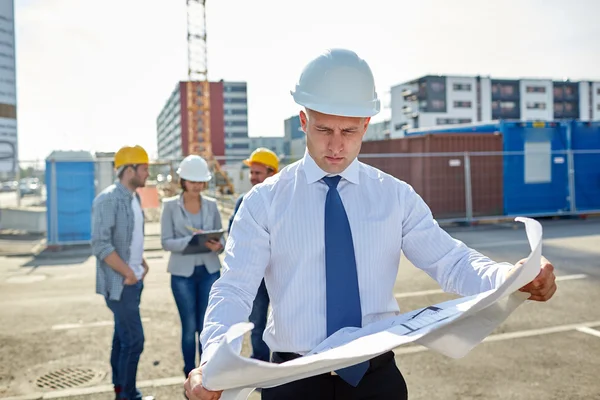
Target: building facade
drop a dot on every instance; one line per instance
(444, 100)
(9, 152)
(377, 131)
(294, 143)
(228, 121)
(274, 143)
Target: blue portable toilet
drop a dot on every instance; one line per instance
(70, 186)
(585, 142)
(535, 172)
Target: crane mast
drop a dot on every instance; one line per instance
(198, 93)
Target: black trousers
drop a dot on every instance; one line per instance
(382, 381)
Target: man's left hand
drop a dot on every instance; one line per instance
(543, 287)
(146, 269)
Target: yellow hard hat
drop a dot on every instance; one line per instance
(263, 156)
(129, 155)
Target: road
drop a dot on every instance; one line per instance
(51, 319)
(9, 199)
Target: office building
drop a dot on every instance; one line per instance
(294, 143)
(228, 122)
(9, 152)
(443, 100)
(377, 131)
(274, 143)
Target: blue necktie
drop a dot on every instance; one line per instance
(343, 298)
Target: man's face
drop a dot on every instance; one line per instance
(139, 176)
(333, 141)
(258, 173)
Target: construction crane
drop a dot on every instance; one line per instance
(198, 93)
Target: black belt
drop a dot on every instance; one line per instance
(374, 363)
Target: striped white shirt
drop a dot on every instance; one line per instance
(278, 233)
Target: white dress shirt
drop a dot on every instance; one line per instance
(137, 239)
(278, 233)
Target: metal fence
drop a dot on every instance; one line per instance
(458, 187)
(478, 186)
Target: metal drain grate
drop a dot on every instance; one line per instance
(67, 378)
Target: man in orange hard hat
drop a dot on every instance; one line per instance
(118, 244)
(263, 163)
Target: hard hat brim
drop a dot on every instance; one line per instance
(368, 109)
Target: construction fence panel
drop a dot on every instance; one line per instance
(463, 186)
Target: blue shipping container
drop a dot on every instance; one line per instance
(585, 142)
(535, 167)
(70, 180)
(485, 127)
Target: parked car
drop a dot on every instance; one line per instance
(30, 186)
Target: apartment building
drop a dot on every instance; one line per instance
(228, 121)
(443, 100)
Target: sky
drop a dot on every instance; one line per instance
(93, 75)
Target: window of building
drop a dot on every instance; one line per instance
(508, 105)
(450, 121)
(507, 90)
(559, 107)
(598, 106)
(438, 104)
(558, 92)
(569, 107)
(462, 87)
(535, 89)
(234, 100)
(569, 91)
(235, 88)
(462, 104)
(236, 123)
(598, 91)
(437, 86)
(536, 105)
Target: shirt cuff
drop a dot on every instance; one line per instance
(208, 353)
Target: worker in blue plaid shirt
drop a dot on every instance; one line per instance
(118, 244)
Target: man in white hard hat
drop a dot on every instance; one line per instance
(327, 233)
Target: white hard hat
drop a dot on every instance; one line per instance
(338, 82)
(195, 169)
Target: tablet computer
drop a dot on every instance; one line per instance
(197, 242)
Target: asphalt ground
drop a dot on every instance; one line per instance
(51, 320)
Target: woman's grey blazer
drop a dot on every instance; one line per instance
(175, 235)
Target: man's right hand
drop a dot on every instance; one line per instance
(130, 278)
(194, 389)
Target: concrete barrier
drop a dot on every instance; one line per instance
(30, 219)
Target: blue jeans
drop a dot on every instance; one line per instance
(128, 341)
(191, 297)
(258, 316)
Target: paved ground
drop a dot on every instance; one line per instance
(50, 319)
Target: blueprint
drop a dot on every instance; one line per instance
(451, 328)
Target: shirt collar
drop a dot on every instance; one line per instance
(123, 190)
(314, 173)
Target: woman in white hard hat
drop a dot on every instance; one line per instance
(192, 275)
